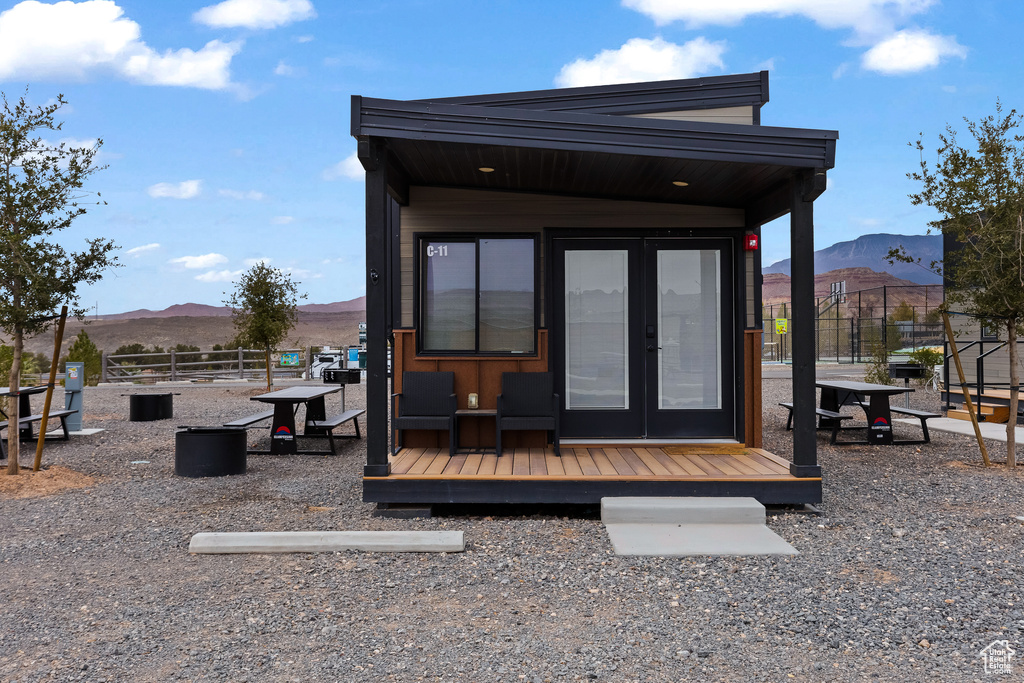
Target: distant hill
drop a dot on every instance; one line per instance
(868, 251)
(204, 311)
(775, 287)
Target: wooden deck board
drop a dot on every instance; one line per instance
(488, 465)
(504, 464)
(618, 460)
(405, 459)
(455, 464)
(665, 459)
(686, 462)
(538, 463)
(604, 465)
(423, 462)
(554, 464)
(635, 461)
(627, 463)
(586, 461)
(570, 465)
(521, 461)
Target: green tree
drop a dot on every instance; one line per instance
(83, 350)
(904, 312)
(979, 195)
(263, 310)
(41, 193)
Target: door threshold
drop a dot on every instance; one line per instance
(607, 441)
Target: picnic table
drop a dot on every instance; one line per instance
(874, 399)
(286, 404)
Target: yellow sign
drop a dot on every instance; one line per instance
(781, 326)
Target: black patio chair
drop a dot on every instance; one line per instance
(427, 401)
(528, 401)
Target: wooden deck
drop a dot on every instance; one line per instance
(585, 474)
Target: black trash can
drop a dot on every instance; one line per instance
(149, 407)
(209, 451)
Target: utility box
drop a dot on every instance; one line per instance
(74, 384)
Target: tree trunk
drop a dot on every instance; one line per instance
(1011, 424)
(270, 381)
(13, 432)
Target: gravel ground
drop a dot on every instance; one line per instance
(912, 568)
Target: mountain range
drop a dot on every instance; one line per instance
(205, 311)
(869, 251)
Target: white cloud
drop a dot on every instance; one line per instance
(186, 189)
(865, 17)
(219, 276)
(250, 262)
(349, 167)
(304, 39)
(644, 60)
(251, 195)
(282, 220)
(949, 89)
(138, 251)
(875, 23)
(910, 51)
(78, 41)
(283, 69)
(254, 14)
(204, 261)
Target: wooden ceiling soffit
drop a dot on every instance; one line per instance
(460, 124)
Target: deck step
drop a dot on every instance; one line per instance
(681, 511)
(987, 412)
(679, 527)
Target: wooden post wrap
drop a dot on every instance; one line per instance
(963, 388)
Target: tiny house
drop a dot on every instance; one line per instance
(608, 236)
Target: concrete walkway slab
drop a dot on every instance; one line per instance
(328, 541)
(989, 430)
(679, 527)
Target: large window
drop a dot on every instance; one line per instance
(478, 295)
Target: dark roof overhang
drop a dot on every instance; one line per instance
(594, 155)
(735, 90)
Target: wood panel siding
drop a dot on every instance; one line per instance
(449, 210)
(752, 419)
(743, 115)
(480, 375)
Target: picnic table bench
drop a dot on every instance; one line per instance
(29, 420)
(832, 415)
(332, 423)
(250, 420)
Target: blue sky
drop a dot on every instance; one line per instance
(226, 125)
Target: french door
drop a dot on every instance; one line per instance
(644, 337)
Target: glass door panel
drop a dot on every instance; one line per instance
(689, 328)
(596, 326)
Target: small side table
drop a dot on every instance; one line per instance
(479, 412)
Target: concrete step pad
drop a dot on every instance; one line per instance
(697, 510)
(679, 527)
(328, 541)
(684, 540)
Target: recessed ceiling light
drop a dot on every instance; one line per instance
(680, 183)
(485, 169)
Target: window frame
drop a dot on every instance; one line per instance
(419, 289)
